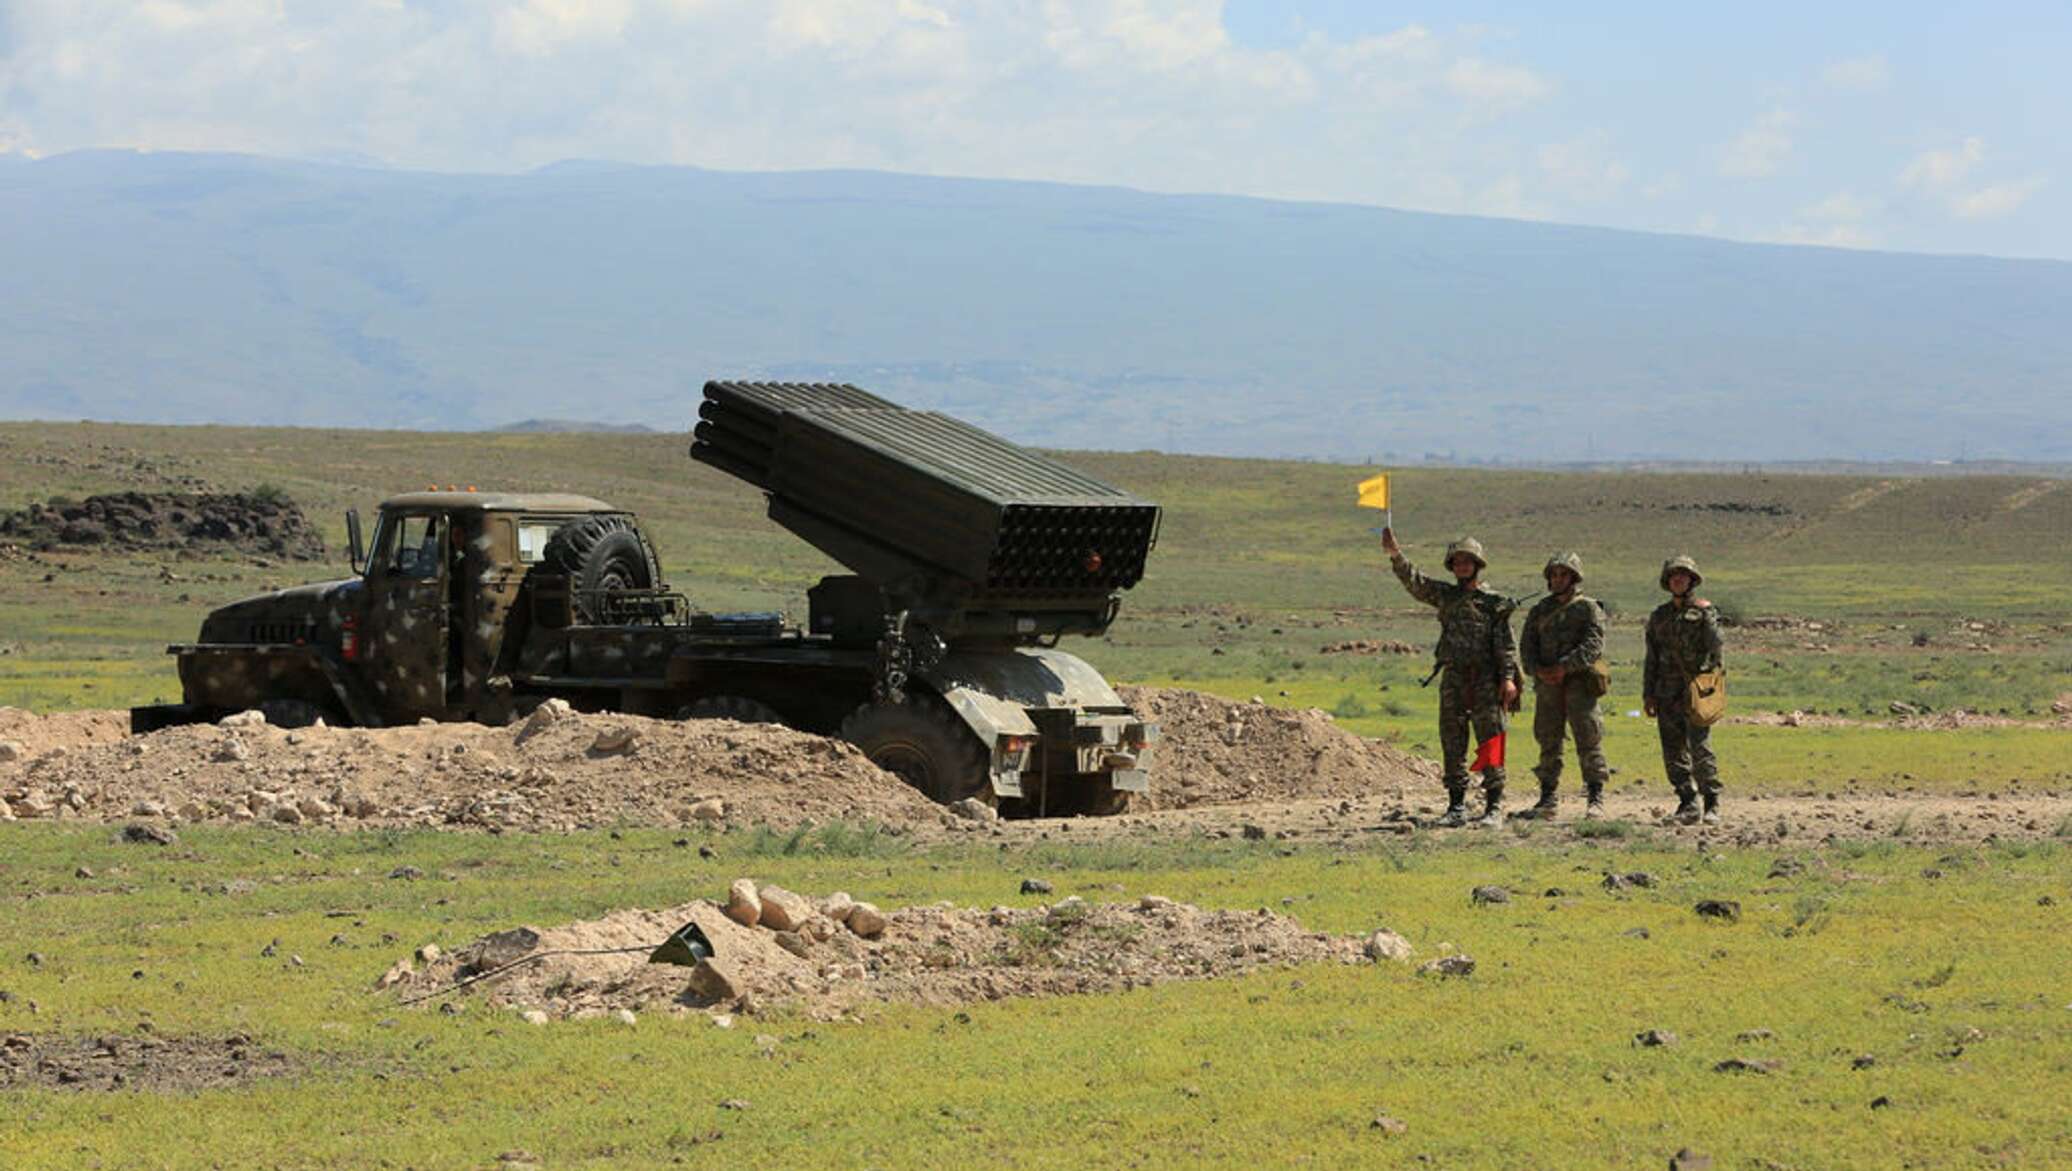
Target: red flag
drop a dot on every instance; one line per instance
(1490, 754)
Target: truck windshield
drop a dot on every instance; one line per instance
(410, 546)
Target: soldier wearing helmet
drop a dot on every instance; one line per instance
(1683, 641)
(1477, 668)
(1562, 647)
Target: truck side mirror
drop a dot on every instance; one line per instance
(354, 545)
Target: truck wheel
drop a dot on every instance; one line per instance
(601, 553)
(737, 708)
(924, 744)
(291, 713)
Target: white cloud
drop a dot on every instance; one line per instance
(1583, 168)
(1839, 221)
(1937, 169)
(1829, 236)
(1761, 149)
(1995, 201)
(1841, 207)
(1857, 74)
(1495, 84)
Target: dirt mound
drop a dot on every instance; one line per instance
(32, 735)
(1368, 646)
(1216, 752)
(929, 955)
(560, 770)
(260, 525)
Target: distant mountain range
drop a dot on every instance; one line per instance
(213, 288)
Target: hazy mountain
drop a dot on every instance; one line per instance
(207, 288)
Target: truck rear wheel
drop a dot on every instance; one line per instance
(599, 554)
(924, 744)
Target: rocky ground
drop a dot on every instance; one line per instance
(136, 1061)
(268, 525)
(828, 957)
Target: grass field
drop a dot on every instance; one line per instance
(1531, 1061)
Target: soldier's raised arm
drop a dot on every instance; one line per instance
(1423, 588)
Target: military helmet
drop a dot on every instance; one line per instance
(1472, 548)
(1682, 561)
(1566, 559)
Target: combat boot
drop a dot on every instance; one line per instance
(1593, 803)
(1456, 814)
(1686, 808)
(1492, 812)
(1711, 814)
(1548, 805)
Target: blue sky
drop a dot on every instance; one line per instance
(1894, 126)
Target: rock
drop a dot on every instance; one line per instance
(1748, 1065)
(867, 921)
(533, 1016)
(1154, 903)
(1035, 886)
(504, 947)
(1880, 1102)
(83, 872)
(625, 1017)
(837, 906)
(251, 718)
(1388, 1125)
(1387, 945)
(783, 910)
(1640, 878)
(710, 809)
(744, 905)
(149, 835)
(613, 741)
(1863, 1061)
(408, 873)
(1445, 966)
(429, 954)
(1254, 833)
(232, 750)
(545, 716)
(192, 811)
(1725, 910)
(1483, 896)
(820, 928)
(1690, 1160)
(1747, 1036)
(734, 1104)
(399, 972)
(791, 941)
(715, 979)
(1654, 1038)
(147, 809)
(287, 815)
(13, 750)
(973, 809)
(315, 809)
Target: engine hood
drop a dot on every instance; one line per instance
(309, 613)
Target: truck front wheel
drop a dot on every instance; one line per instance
(924, 744)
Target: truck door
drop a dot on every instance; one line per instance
(408, 615)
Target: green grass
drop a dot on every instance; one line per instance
(1854, 955)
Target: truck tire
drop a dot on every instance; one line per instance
(737, 708)
(601, 553)
(924, 744)
(293, 713)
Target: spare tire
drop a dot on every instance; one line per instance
(600, 554)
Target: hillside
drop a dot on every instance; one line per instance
(203, 288)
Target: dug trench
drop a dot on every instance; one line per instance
(1222, 769)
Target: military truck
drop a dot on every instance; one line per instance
(938, 656)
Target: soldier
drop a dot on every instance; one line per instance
(1560, 648)
(1477, 665)
(1683, 641)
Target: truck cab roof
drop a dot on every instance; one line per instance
(555, 502)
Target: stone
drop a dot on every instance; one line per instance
(251, 718)
(533, 1016)
(1035, 886)
(1388, 1125)
(232, 750)
(973, 809)
(734, 1104)
(13, 750)
(1725, 910)
(867, 921)
(791, 941)
(287, 815)
(314, 808)
(399, 972)
(625, 1017)
(837, 906)
(1448, 966)
(820, 928)
(1387, 945)
(408, 873)
(615, 741)
(1748, 1065)
(1484, 896)
(429, 954)
(147, 809)
(744, 905)
(141, 834)
(783, 910)
(710, 809)
(1747, 1036)
(1863, 1061)
(1654, 1038)
(715, 979)
(504, 947)
(545, 716)
(1154, 903)
(1690, 1160)
(1253, 833)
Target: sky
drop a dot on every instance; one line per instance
(1901, 126)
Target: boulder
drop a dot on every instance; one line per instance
(744, 905)
(614, 741)
(710, 809)
(12, 750)
(1387, 945)
(399, 972)
(714, 979)
(1448, 966)
(973, 809)
(837, 906)
(783, 910)
(252, 718)
(867, 921)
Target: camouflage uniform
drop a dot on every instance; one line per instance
(1568, 634)
(1683, 639)
(1475, 655)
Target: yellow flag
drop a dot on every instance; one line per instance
(1374, 493)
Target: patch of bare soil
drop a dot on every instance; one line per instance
(1911, 719)
(33, 735)
(559, 770)
(178, 521)
(940, 955)
(1213, 751)
(136, 1062)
